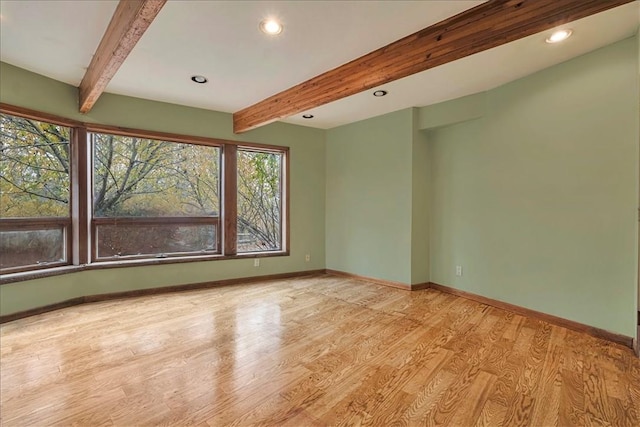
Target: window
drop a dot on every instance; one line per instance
(82, 194)
(259, 200)
(154, 198)
(35, 222)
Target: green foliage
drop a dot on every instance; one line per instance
(34, 168)
(137, 177)
(259, 200)
(143, 177)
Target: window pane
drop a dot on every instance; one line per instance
(259, 201)
(31, 247)
(155, 240)
(139, 177)
(34, 192)
(157, 183)
(34, 168)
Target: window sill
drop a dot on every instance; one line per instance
(57, 271)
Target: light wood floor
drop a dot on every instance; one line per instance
(312, 351)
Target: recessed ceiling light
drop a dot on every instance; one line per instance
(307, 116)
(199, 79)
(380, 93)
(271, 27)
(559, 36)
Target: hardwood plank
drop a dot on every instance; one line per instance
(483, 27)
(314, 351)
(596, 404)
(547, 410)
(427, 371)
(520, 410)
(523, 311)
(129, 22)
(624, 411)
(571, 399)
(427, 398)
(493, 414)
(477, 396)
(391, 396)
(443, 411)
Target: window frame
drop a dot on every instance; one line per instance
(144, 221)
(47, 223)
(284, 192)
(40, 224)
(80, 225)
(187, 220)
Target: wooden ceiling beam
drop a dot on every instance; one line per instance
(129, 22)
(483, 27)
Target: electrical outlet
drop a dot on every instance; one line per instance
(256, 262)
(307, 257)
(458, 270)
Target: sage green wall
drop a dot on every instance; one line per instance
(537, 197)
(377, 194)
(307, 152)
(454, 111)
(368, 218)
(420, 192)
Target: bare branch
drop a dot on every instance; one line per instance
(24, 190)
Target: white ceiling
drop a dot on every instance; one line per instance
(221, 40)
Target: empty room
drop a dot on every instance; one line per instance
(319, 213)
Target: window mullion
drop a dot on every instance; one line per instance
(79, 202)
(84, 177)
(230, 197)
